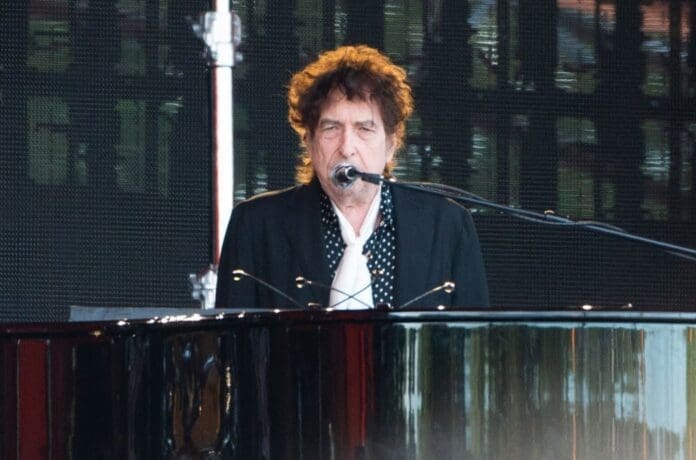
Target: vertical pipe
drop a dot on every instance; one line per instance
(223, 151)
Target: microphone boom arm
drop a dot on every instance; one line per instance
(548, 217)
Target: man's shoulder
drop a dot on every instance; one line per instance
(276, 200)
(431, 207)
(422, 200)
(269, 198)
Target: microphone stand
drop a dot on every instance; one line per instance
(547, 218)
(301, 282)
(447, 286)
(238, 274)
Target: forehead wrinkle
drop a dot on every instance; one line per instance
(333, 121)
(367, 123)
(336, 97)
(328, 121)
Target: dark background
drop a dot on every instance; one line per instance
(583, 107)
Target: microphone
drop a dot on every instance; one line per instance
(447, 286)
(238, 274)
(344, 175)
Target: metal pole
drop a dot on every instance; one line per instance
(220, 29)
(222, 127)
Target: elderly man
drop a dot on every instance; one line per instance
(354, 244)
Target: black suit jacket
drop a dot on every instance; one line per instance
(277, 236)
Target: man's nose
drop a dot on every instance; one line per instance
(348, 146)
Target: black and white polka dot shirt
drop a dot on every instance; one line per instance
(380, 248)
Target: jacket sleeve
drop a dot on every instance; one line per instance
(237, 253)
(469, 272)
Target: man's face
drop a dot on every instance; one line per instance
(349, 132)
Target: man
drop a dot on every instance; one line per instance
(355, 246)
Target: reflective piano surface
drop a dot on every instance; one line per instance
(376, 385)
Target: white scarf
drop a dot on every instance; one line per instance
(352, 280)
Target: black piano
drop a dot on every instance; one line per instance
(493, 384)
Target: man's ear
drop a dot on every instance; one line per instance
(308, 135)
(307, 141)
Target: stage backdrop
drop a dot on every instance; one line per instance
(584, 107)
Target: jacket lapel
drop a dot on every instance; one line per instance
(413, 243)
(303, 231)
